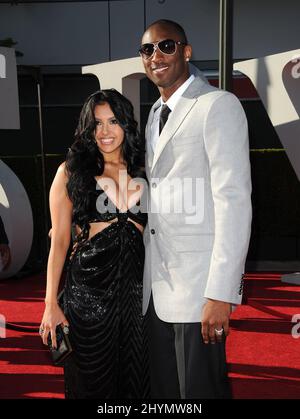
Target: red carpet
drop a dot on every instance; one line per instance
(263, 356)
(25, 365)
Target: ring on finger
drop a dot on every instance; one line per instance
(219, 332)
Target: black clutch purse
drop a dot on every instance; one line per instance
(64, 348)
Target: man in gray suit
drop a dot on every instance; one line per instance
(197, 163)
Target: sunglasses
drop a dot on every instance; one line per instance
(167, 46)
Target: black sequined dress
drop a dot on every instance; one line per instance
(103, 303)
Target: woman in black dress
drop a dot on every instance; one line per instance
(100, 189)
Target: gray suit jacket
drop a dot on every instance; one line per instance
(198, 231)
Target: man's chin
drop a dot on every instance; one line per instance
(159, 82)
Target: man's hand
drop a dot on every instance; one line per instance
(5, 255)
(215, 316)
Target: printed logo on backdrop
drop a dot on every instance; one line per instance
(9, 98)
(16, 215)
(277, 80)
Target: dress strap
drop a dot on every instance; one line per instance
(80, 239)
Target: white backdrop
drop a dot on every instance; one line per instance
(16, 213)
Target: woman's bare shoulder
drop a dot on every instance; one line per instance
(62, 171)
(61, 177)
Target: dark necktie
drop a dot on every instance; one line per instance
(164, 114)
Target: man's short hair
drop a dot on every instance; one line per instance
(174, 25)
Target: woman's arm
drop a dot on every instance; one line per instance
(61, 218)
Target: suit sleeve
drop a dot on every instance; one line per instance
(3, 235)
(227, 148)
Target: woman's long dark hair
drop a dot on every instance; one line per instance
(84, 160)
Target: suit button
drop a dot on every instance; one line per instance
(152, 231)
(154, 185)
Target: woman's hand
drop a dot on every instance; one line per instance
(53, 316)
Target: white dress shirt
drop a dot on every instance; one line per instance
(171, 102)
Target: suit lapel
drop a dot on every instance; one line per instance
(149, 150)
(176, 117)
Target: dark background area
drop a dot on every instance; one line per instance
(276, 189)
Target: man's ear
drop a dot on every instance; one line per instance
(188, 52)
